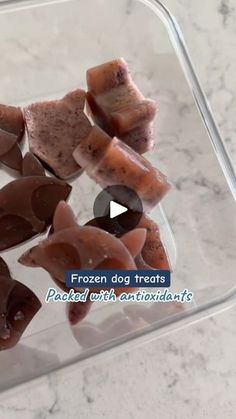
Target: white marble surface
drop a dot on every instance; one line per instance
(190, 373)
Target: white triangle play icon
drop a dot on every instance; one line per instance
(116, 209)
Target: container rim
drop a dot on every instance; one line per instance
(224, 159)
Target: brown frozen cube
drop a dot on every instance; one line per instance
(107, 76)
(55, 129)
(119, 107)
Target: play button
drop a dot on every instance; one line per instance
(117, 209)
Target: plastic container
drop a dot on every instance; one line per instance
(46, 48)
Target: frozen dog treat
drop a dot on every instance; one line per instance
(134, 241)
(27, 206)
(55, 129)
(71, 246)
(108, 76)
(118, 164)
(10, 153)
(4, 270)
(76, 312)
(153, 254)
(18, 306)
(13, 159)
(92, 149)
(7, 142)
(12, 121)
(119, 107)
(31, 166)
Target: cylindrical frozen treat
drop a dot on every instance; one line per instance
(118, 164)
(92, 149)
(118, 106)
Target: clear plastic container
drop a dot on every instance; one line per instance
(45, 49)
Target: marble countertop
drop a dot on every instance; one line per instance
(190, 373)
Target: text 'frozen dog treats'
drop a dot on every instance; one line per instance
(55, 129)
(111, 162)
(18, 306)
(119, 107)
